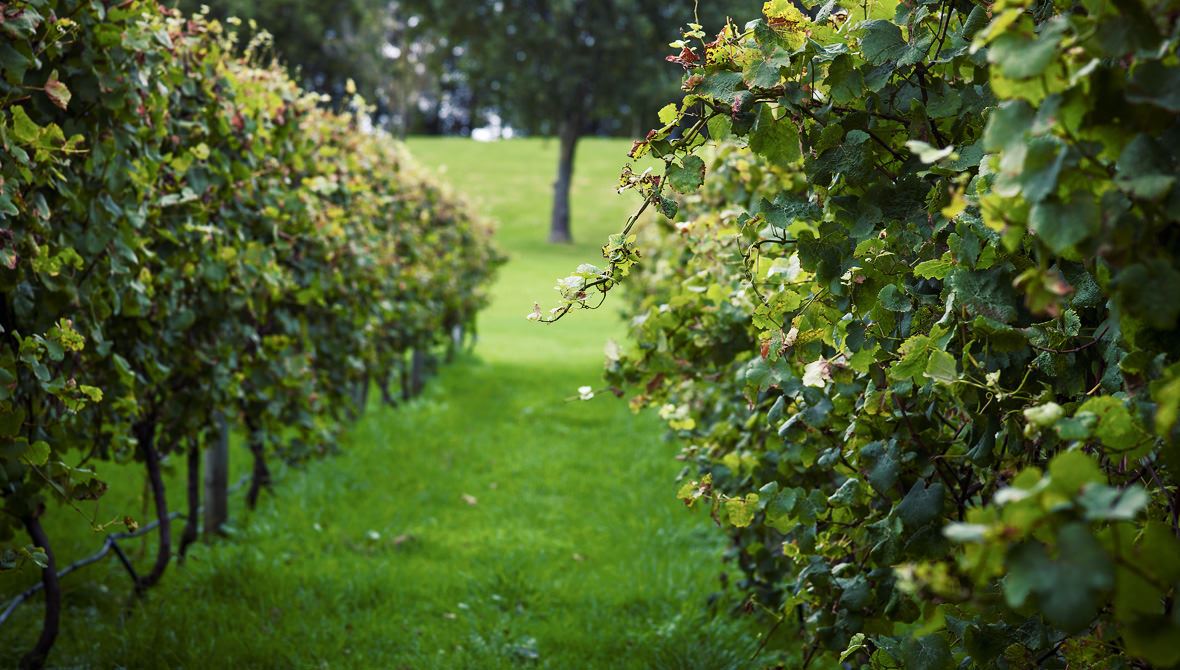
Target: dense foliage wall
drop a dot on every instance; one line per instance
(917, 329)
(185, 234)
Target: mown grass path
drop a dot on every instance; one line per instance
(492, 523)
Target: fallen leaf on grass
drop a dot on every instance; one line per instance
(470, 499)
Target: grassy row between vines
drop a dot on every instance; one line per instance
(574, 552)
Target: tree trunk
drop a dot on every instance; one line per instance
(36, 656)
(260, 478)
(145, 433)
(559, 223)
(192, 523)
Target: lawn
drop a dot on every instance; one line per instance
(491, 523)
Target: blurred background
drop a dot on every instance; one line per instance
(447, 67)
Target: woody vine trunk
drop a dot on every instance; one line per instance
(35, 658)
(145, 433)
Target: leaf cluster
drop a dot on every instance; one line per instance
(185, 233)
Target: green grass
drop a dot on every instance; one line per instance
(575, 554)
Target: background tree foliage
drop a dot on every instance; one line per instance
(916, 323)
(564, 67)
(328, 43)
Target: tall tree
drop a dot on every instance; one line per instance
(564, 67)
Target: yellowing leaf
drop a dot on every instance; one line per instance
(741, 510)
(786, 20)
(57, 92)
(669, 112)
(23, 128)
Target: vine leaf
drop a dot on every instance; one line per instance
(1067, 588)
(57, 92)
(686, 176)
(777, 140)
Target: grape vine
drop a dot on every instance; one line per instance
(915, 324)
(185, 234)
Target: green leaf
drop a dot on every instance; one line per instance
(1154, 83)
(930, 652)
(1165, 391)
(1063, 225)
(1007, 125)
(987, 293)
(915, 353)
(720, 127)
(922, 505)
(1150, 291)
(942, 367)
(846, 494)
(846, 83)
(1037, 178)
(1076, 428)
(934, 269)
(881, 458)
(36, 453)
(787, 209)
(882, 42)
(854, 645)
(1069, 471)
(780, 510)
(12, 421)
(668, 207)
(38, 556)
(1116, 427)
(1021, 56)
(1158, 552)
(23, 128)
(765, 72)
(1154, 639)
(13, 63)
(894, 299)
(687, 176)
(775, 140)
(1143, 169)
(1068, 589)
(722, 85)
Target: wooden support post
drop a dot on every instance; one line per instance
(417, 371)
(217, 478)
(456, 343)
